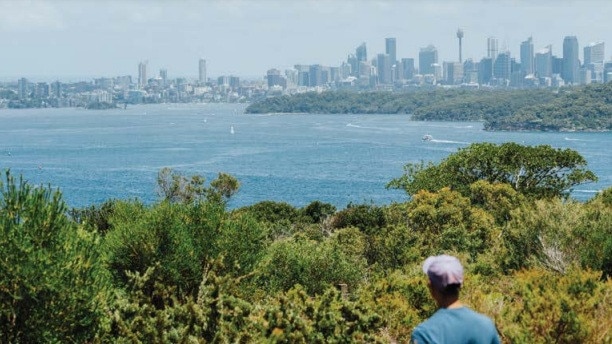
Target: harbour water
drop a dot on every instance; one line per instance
(95, 155)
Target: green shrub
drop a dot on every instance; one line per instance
(52, 285)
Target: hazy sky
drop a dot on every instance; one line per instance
(95, 38)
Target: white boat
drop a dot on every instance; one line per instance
(427, 137)
(232, 129)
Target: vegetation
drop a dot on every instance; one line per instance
(536, 172)
(187, 269)
(573, 108)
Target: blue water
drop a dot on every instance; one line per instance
(92, 156)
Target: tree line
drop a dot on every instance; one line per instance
(580, 108)
(187, 269)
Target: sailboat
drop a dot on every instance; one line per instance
(232, 130)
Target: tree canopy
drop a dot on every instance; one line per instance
(573, 108)
(535, 171)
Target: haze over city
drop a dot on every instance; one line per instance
(44, 40)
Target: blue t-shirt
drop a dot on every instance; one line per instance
(458, 325)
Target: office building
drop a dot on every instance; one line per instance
(163, 75)
(502, 66)
(428, 57)
(274, 78)
(452, 73)
(543, 63)
(361, 53)
(492, 48)
(202, 71)
(391, 49)
(142, 74)
(571, 62)
(407, 68)
(383, 66)
(485, 71)
(315, 76)
(594, 55)
(56, 89)
(22, 89)
(527, 57)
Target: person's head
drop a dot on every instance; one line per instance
(445, 275)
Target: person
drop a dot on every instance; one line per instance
(452, 322)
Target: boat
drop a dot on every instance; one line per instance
(232, 129)
(427, 137)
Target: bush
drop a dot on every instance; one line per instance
(52, 285)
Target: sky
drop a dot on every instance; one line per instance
(76, 39)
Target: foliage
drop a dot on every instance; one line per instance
(175, 187)
(295, 317)
(52, 284)
(271, 211)
(188, 270)
(367, 217)
(318, 211)
(545, 307)
(95, 217)
(402, 300)
(586, 107)
(160, 235)
(558, 235)
(534, 171)
(316, 266)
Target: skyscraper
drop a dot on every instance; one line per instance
(571, 63)
(391, 49)
(527, 57)
(492, 48)
(202, 71)
(543, 62)
(594, 53)
(361, 53)
(407, 68)
(22, 88)
(502, 66)
(428, 56)
(452, 73)
(594, 60)
(383, 65)
(485, 70)
(163, 74)
(142, 74)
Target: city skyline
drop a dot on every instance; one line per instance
(45, 39)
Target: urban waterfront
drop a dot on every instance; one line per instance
(95, 155)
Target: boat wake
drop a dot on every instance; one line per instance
(448, 141)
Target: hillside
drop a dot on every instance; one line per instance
(584, 108)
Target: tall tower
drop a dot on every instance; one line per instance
(594, 53)
(202, 71)
(492, 48)
(390, 49)
(571, 63)
(460, 36)
(142, 74)
(527, 57)
(428, 57)
(361, 53)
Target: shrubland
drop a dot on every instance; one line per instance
(187, 269)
